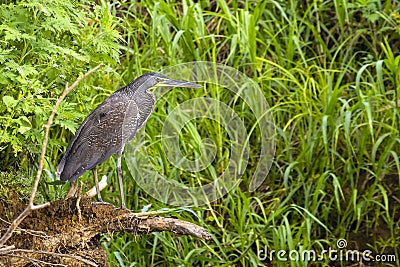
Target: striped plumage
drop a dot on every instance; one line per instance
(113, 123)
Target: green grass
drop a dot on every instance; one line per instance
(330, 72)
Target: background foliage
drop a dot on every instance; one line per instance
(330, 71)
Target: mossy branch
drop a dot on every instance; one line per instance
(58, 233)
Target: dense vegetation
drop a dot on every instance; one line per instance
(329, 70)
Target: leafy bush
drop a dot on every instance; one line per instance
(44, 44)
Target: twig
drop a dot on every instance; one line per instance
(28, 231)
(34, 261)
(31, 206)
(78, 200)
(60, 255)
(6, 248)
(149, 213)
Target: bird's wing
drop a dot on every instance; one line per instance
(102, 133)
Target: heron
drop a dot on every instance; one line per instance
(113, 123)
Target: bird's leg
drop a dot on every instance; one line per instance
(121, 187)
(72, 190)
(96, 180)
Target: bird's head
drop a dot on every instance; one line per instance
(158, 80)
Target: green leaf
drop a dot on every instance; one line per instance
(23, 129)
(24, 121)
(5, 55)
(26, 70)
(9, 101)
(57, 182)
(67, 124)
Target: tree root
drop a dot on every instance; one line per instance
(67, 233)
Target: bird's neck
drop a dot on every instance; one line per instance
(145, 102)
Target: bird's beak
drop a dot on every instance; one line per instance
(177, 83)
